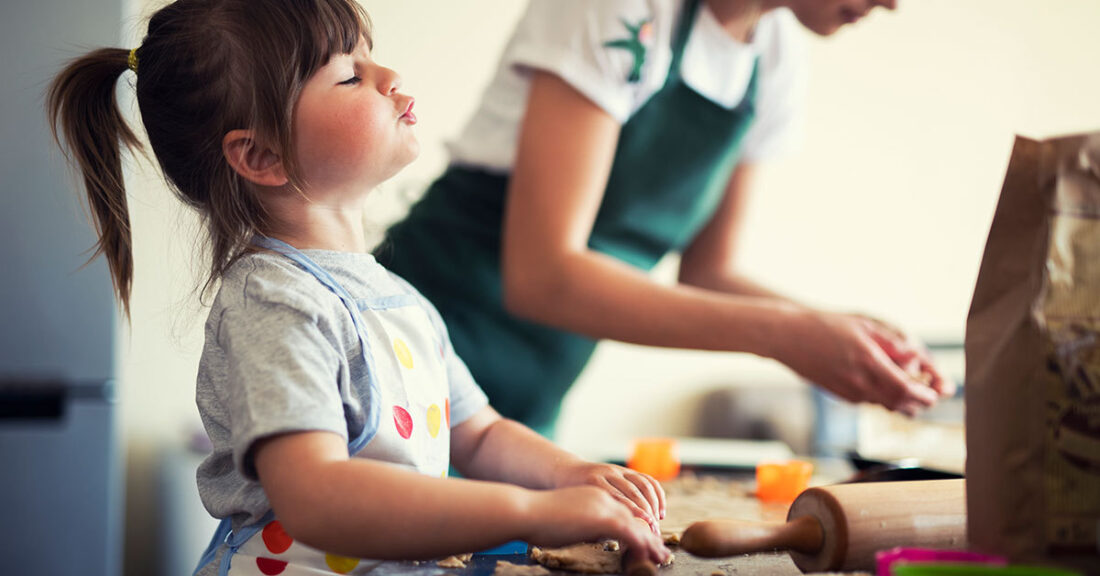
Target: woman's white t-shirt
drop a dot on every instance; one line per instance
(569, 39)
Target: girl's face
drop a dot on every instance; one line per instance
(827, 16)
(352, 128)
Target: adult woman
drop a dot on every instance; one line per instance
(618, 131)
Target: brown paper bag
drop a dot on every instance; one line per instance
(1033, 362)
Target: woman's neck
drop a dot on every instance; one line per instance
(739, 17)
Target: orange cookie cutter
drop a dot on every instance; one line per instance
(782, 481)
(658, 457)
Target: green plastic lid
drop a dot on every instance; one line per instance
(936, 569)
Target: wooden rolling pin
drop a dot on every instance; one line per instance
(841, 527)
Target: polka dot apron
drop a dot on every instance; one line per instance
(408, 425)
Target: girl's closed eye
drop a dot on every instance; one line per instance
(351, 81)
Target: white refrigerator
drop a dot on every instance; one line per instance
(60, 465)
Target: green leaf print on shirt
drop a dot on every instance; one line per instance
(640, 35)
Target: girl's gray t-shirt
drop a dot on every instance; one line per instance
(282, 355)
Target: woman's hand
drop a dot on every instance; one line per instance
(863, 360)
(640, 493)
(911, 355)
(586, 514)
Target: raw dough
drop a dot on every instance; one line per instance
(598, 558)
(457, 561)
(508, 569)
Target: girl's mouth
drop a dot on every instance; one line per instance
(408, 116)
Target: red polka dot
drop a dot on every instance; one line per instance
(276, 539)
(270, 566)
(447, 411)
(403, 421)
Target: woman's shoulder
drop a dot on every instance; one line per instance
(615, 52)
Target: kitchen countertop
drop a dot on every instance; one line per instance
(690, 497)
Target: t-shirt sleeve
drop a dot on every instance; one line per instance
(781, 101)
(609, 51)
(283, 370)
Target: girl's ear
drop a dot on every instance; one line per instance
(254, 162)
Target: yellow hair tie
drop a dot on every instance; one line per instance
(131, 61)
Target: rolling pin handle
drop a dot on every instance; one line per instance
(804, 534)
(719, 538)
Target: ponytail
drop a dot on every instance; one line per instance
(206, 68)
(88, 126)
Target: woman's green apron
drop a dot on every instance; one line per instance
(673, 160)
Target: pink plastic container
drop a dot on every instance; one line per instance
(886, 558)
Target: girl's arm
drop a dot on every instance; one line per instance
(550, 276)
(490, 447)
(368, 509)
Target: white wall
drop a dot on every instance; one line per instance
(884, 210)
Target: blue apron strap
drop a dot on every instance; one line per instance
(307, 264)
(220, 535)
(322, 275)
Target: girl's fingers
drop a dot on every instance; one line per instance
(642, 544)
(636, 510)
(652, 492)
(632, 492)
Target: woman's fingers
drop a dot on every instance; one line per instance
(896, 388)
(912, 357)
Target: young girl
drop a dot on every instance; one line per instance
(328, 386)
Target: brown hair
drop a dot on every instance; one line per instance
(205, 67)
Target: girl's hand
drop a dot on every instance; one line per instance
(638, 492)
(862, 360)
(586, 514)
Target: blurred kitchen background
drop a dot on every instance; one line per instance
(884, 210)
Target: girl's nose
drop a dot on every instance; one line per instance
(390, 81)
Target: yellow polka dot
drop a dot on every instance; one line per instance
(341, 564)
(434, 417)
(403, 354)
